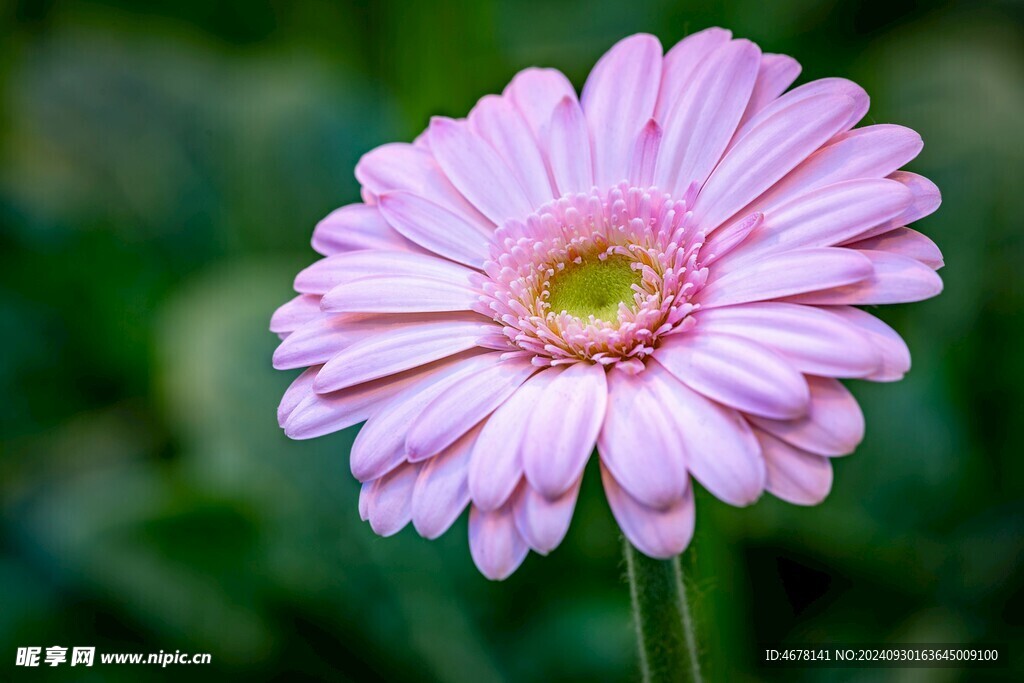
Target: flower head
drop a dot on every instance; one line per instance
(666, 268)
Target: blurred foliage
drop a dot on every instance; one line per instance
(162, 166)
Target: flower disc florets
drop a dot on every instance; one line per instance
(629, 255)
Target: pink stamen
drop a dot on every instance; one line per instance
(648, 228)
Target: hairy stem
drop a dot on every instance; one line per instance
(664, 627)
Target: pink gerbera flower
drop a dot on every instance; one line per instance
(666, 268)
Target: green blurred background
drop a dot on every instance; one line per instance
(163, 165)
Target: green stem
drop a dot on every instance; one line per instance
(664, 628)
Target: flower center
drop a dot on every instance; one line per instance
(595, 277)
(596, 287)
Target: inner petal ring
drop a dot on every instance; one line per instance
(596, 277)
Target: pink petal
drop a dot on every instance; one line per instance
(658, 533)
(401, 294)
(816, 341)
(736, 372)
(364, 501)
(497, 465)
(775, 74)
(776, 142)
(926, 196)
(644, 158)
(320, 414)
(640, 441)
(294, 314)
(568, 148)
(905, 242)
(324, 337)
(404, 347)
(389, 500)
(895, 354)
(824, 86)
(822, 218)
(357, 226)
(380, 444)
(926, 200)
(698, 128)
(477, 171)
(869, 152)
(680, 63)
(896, 279)
(495, 544)
(541, 521)
(786, 274)
(721, 451)
(436, 228)
(496, 120)
(332, 271)
(315, 342)
(794, 475)
(441, 492)
(536, 93)
(400, 167)
(563, 427)
(833, 426)
(452, 414)
(618, 99)
(724, 240)
(297, 391)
